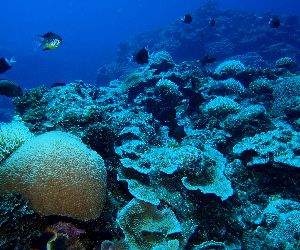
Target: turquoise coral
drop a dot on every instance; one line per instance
(229, 68)
(146, 227)
(279, 147)
(210, 178)
(220, 107)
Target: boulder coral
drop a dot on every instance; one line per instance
(58, 174)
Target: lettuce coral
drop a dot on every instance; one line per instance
(58, 174)
(211, 178)
(146, 227)
(279, 147)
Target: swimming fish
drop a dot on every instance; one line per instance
(9, 88)
(206, 59)
(212, 22)
(50, 41)
(6, 64)
(274, 22)
(187, 19)
(141, 57)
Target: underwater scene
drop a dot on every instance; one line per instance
(150, 125)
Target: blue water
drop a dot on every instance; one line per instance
(91, 31)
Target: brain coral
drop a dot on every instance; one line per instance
(58, 174)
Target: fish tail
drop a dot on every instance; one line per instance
(39, 44)
(12, 60)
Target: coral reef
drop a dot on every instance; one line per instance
(211, 178)
(18, 223)
(278, 147)
(161, 62)
(187, 142)
(32, 108)
(193, 157)
(221, 107)
(277, 226)
(286, 63)
(146, 227)
(229, 69)
(285, 93)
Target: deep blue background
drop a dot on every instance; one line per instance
(91, 30)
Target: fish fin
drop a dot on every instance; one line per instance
(130, 58)
(39, 44)
(10, 61)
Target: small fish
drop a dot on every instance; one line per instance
(9, 88)
(6, 64)
(141, 57)
(274, 22)
(50, 41)
(212, 22)
(206, 59)
(187, 19)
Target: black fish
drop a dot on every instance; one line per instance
(142, 56)
(9, 88)
(57, 84)
(187, 18)
(274, 22)
(50, 41)
(212, 22)
(207, 59)
(6, 64)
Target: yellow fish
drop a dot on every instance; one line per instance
(50, 41)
